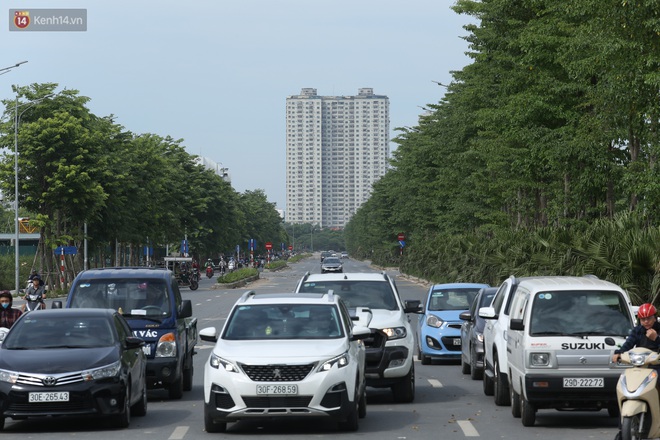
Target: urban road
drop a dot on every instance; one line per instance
(448, 404)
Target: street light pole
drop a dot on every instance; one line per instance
(16, 247)
(17, 119)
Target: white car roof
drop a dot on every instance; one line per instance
(566, 283)
(354, 276)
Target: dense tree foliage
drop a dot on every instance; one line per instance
(77, 169)
(539, 154)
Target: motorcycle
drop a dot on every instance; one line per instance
(187, 279)
(33, 302)
(209, 271)
(638, 396)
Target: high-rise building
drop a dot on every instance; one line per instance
(336, 148)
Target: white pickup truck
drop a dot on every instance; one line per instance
(495, 378)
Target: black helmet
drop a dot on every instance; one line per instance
(7, 294)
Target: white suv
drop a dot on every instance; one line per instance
(282, 355)
(374, 299)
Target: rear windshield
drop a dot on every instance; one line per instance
(131, 297)
(372, 294)
(579, 313)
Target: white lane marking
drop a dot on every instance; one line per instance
(435, 383)
(179, 433)
(468, 429)
(204, 347)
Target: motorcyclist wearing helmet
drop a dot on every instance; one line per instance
(643, 335)
(8, 314)
(35, 289)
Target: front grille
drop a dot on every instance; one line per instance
(376, 340)
(448, 342)
(56, 379)
(277, 373)
(277, 401)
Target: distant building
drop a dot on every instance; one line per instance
(336, 148)
(215, 167)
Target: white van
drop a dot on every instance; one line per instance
(557, 355)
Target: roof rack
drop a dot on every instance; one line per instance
(247, 295)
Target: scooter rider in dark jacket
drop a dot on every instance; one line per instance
(643, 335)
(35, 289)
(8, 315)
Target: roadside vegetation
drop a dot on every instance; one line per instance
(541, 158)
(77, 170)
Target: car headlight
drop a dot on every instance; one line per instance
(8, 376)
(217, 362)
(395, 332)
(341, 361)
(480, 337)
(105, 372)
(539, 359)
(434, 321)
(166, 346)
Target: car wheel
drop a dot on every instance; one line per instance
(2, 423)
(362, 404)
(527, 412)
(175, 389)
(140, 408)
(351, 421)
(475, 372)
(488, 385)
(123, 419)
(501, 387)
(211, 426)
(404, 390)
(188, 376)
(515, 403)
(425, 360)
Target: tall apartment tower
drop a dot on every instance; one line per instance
(336, 148)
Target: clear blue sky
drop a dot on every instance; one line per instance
(216, 73)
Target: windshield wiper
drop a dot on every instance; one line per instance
(548, 333)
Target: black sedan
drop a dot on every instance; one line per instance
(472, 336)
(72, 362)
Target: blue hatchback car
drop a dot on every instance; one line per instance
(439, 328)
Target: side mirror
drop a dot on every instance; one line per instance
(487, 313)
(413, 306)
(208, 334)
(465, 316)
(185, 311)
(132, 342)
(56, 305)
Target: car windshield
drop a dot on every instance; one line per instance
(579, 313)
(34, 332)
(372, 294)
(283, 321)
(131, 297)
(452, 299)
(331, 260)
(487, 299)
